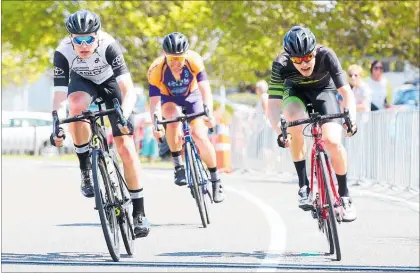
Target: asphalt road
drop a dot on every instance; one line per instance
(48, 226)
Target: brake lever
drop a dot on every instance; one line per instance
(155, 124)
(117, 106)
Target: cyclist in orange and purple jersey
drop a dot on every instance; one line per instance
(178, 78)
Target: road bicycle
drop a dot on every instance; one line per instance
(112, 198)
(327, 207)
(197, 176)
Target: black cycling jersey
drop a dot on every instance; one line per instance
(105, 62)
(327, 72)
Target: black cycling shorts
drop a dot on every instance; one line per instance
(324, 100)
(107, 91)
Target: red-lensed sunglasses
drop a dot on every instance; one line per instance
(306, 59)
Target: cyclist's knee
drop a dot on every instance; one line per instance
(170, 110)
(332, 134)
(332, 143)
(125, 149)
(293, 111)
(78, 102)
(199, 130)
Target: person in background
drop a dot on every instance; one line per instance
(361, 90)
(261, 89)
(266, 136)
(380, 86)
(149, 144)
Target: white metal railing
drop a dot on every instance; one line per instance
(385, 149)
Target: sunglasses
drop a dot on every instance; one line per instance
(378, 67)
(88, 40)
(306, 59)
(175, 58)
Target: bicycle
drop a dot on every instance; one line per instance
(197, 176)
(327, 207)
(112, 199)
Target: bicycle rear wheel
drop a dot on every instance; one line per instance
(332, 222)
(194, 176)
(105, 204)
(126, 219)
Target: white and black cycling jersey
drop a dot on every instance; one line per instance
(106, 61)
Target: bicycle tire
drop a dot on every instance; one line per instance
(332, 225)
(205, 190)
(99, 170)
(329, 235)
(126, 219)
(194, 179)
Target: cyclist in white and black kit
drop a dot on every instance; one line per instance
(309, 73)
(87, 65)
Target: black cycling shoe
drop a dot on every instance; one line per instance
(86, 186)
(179, 174)
(141, 226)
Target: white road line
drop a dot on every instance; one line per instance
(278, 232)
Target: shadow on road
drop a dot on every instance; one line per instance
(255, 254)
(56, 256)
(79, 225)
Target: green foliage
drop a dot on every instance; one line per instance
(238, 39)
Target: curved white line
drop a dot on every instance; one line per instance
(277, 227)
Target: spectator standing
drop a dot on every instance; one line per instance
(361, 90)
(380, 86)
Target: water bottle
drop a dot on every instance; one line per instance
(111, 171)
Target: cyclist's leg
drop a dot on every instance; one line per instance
(199, 131)
(294, 107)
(326, 103)
(171, 109)
(81, 92)
(131, 162)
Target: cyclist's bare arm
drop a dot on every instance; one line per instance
(155, 107)
(273, 112)
(204, 87)
(59, 103)
(129, 97)
(349, 101)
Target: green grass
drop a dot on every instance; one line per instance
(157, 163)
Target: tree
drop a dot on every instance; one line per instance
(238, 39)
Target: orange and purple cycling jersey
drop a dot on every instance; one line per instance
(183, 92)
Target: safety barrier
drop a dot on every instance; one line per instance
(223, 147)
(385, 149)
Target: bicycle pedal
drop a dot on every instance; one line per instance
(314, 214)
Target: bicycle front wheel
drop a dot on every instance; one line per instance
(105, 204)
(125, 220)
(331, 222)
(194, 176)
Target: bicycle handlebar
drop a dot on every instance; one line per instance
(314, 118)
(87, 114)
(184, 117)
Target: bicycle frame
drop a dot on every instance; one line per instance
(187, 137)
(318, 147)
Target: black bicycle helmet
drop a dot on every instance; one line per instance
(175, 43)
(299, 41)
(83, 22)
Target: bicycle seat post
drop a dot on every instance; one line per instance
(184, 110)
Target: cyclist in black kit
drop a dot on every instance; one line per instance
(310, 73)
(92, 61)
